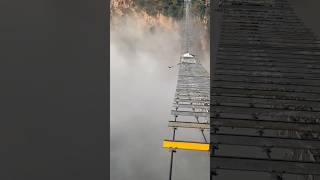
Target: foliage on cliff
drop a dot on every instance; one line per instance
(173, 8)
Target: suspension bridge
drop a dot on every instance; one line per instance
(192, 98)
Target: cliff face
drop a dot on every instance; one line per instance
(123, 8)
(153, 14)
(159, 9)
(120, 7)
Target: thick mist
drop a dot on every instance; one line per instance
(142, 88)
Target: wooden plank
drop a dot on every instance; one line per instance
(264, 74)
(238, 109)
(264, 165)
(190, 105)
(264, 113)
(263, 141)
(264, 124)
(267, 103)
(266, 87)
(265, 93)
(194, 125)
(190, 113)
(269, 80)
(276, 57)
(255, 67)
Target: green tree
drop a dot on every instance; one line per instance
(171, 8)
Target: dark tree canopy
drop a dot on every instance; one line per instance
(172, 8)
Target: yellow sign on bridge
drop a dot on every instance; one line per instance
(186, 145)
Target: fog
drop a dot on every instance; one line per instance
(142, 89)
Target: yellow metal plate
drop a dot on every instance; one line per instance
(186, 145)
